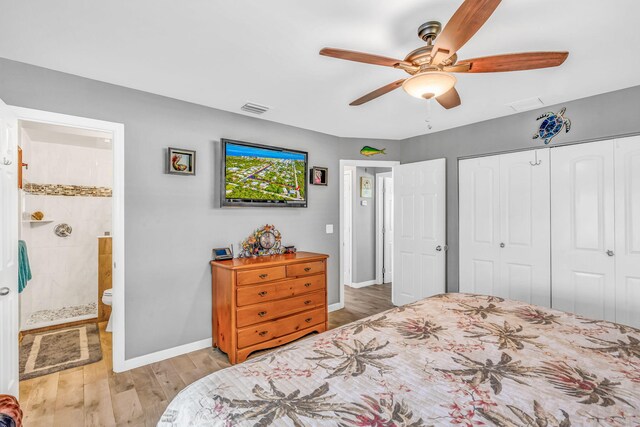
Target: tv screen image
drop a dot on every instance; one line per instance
(263, 175)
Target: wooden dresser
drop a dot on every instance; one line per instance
(267, 301)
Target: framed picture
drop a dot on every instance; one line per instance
(366, 187)
(319, 176)
(181, 162)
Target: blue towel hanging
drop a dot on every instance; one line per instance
(24, 269)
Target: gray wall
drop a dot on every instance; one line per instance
(598, 117)
(172, 222)
(364, 228)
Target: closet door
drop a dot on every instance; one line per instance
(525, 270)
(582, 226)
(479, 226)
(627, 251)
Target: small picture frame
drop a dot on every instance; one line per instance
(319, 176)
(366, 187)
(181, 161)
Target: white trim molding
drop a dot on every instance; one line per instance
(365, 284)
(336, 306)
(158, 356)
(380, 224)
(117, 231)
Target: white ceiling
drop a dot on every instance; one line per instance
(223, 53)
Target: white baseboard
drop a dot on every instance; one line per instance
(136, 362)
(336, 306)
(147, 359)
(363, 284)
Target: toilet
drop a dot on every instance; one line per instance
(107, 298)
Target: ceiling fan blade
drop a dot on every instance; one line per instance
(378, 92)
(367, 58)
(450, 99)
(458, 68)
(512, 62)
(461, 27)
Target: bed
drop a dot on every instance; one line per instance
(450, 359)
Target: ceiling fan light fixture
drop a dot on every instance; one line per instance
(430, 84)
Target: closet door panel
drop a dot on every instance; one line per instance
(525, 226)
(627, 252)
(582, 222)
(479, 216)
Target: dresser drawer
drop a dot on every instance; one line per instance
(304, 269)
(269, 330)
(256, 313)
(261, 275)
(255, 294)
(302, 285)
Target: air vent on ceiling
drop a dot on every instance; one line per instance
(526, 104)
(252, 108)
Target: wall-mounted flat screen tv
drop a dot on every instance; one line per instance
(261, 175)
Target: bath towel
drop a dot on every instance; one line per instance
(24, 270)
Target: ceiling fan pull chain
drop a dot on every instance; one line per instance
(428, 119)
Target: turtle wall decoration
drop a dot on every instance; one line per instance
(552, 125)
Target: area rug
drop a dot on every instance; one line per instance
(52, 351)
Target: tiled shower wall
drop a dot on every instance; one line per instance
(64, 269)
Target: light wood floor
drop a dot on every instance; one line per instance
(92, 395)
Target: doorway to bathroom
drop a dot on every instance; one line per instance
(65, 248)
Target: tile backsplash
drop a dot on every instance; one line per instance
(66, 190)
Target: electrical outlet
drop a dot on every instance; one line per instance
(329, 228)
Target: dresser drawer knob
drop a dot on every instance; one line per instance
(263, 293)
(307, 269)
(308, 319)
(306, 285)
(262, 313)
(307, 302)
(263, 276)
(263, 333)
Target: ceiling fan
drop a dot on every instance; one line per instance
(431, 66)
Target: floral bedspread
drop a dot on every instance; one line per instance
(450, 359)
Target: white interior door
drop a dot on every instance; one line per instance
(8, 252)
(627, 251)
(347, 227)
(582, 225)
(525, 246)
(388, 229)
(479, 225)
(420, 230)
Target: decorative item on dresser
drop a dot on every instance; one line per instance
(267, 301)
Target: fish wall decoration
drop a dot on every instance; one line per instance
(370, 151)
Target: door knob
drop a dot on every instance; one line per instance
(438, 248)
(610, 252)
(4, 291)
(502, 245)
